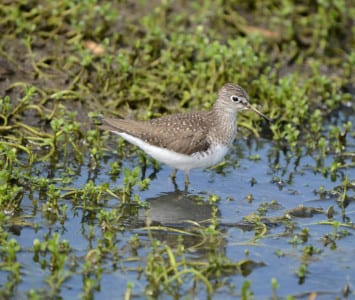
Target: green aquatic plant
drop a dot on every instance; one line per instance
(11, 179)
(130, 180)
(52, 255)
(9, 264)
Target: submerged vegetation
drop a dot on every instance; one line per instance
(71, 207)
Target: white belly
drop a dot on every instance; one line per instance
(177, 160)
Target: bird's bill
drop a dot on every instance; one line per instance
(259, 113)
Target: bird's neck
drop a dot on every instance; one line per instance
(224, 125)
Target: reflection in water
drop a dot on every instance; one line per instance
(176, 209)
(181, 218)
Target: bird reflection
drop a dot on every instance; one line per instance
(176, 209)
(187, 213)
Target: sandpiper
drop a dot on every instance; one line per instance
(191, 140)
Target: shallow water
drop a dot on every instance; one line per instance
(292, 184)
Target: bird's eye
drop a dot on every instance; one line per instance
(235, 98)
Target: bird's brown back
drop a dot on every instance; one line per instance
(183, 133)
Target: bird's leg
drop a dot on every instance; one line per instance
(186, 181)
(173, 179)
(173, 175)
